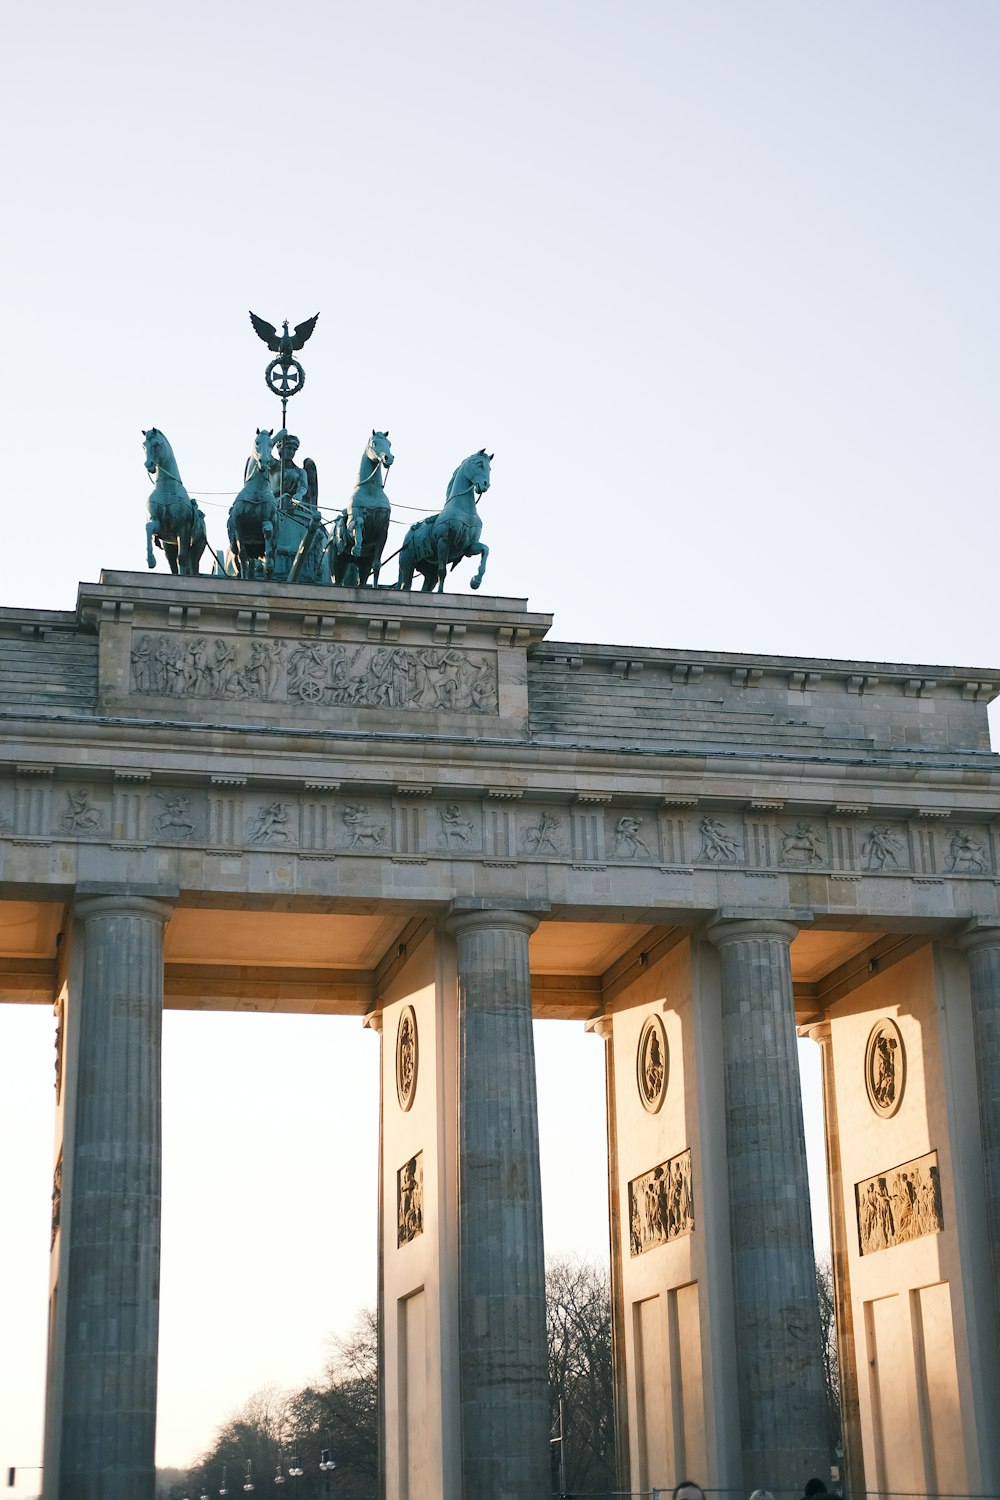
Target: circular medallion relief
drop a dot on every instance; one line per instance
(406, 1057)
(885, 1068)
(651, 1064)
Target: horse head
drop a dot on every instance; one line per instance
(260, 457)
(477, 469)
(379, 450)
(156, 447)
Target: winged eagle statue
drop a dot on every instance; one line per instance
(283, 344)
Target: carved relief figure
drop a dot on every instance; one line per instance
(881, 848)
(804, 845)
(716, 842)
(885, 1068)
(456, 830)
(57, 1011)
(651, 1063)
(196, 670)
(543, 836)
(968, 854)
(410, 1199)
(406, 1057)
(900, 1205)
(661, 1204)
(142, 665)
(270, 825)
(307, 669)
(81, 816)
(56, 1198)
(174, 817)
(365, 833)
(627, 840)
(223, 664)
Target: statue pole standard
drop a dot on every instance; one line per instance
(284, 376)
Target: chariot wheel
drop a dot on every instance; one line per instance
(310, 691)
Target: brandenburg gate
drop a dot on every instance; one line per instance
(421, 811)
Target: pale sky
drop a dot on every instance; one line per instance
(716, 283)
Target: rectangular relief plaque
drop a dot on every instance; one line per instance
(410, 1200)
(661, 1204)
(901, 1204)
(313, 674)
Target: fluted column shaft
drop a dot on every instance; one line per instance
(778, 1341)
(113, 1262)
(983, 950)
(501, 1263)
(822, 1034)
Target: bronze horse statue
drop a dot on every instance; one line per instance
(432, 545)
(174, 521)
(253, 512)
(359, 532)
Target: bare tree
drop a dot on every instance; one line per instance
(831, 1360)
(578, 1298)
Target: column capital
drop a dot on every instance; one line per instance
(601, 1025)
(109, 903)
(980, 933)
(818, 1031)
(372, 1021)
(473, 915)
(744, 926)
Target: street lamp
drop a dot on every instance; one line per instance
(327, 1462)
(248, 1484)
(279, 1478)
(223, 1487)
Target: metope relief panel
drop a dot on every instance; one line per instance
(720, 842)
(673, 840)
(364, 826)
(661, 1204)
(899, 1205)
(544, 835)
(803, 844)
(410, 1200)
(630, 836)
(968, 852)
(457, 828)
(78, 812)
(314, 674)
(271, 825)
(885, 846)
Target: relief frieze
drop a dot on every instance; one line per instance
(899, 1205)
(315, 674)
(661, 1204)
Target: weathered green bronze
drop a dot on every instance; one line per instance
(359, 532)
(253, 512)
(284, 376)
(175, 522)
(300, 538)
(440, 541)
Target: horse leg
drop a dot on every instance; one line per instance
(359, 536)
(170, 552)
(479, 547)
(268, 531)
(150, 533)
(442, 565)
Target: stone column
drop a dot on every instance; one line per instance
(853, 1476)
(503, 1362)
(112, 1263)
(982, 947)
(778, 1342)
